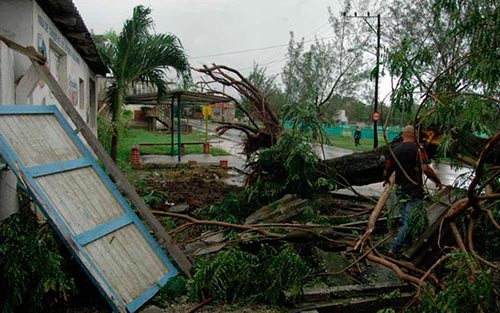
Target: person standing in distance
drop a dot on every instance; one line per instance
(408, 162)
(357, 136)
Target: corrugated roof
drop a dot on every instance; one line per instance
(66, 17)
(185, 97)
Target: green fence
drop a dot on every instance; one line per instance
(347, 130)
(366, 132)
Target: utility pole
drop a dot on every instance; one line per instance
(376, 114)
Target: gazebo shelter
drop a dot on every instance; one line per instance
(165, 109)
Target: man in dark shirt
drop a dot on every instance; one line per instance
(408, 162)
(357, 136)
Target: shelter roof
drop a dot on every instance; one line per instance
(222, 105)
(66, 17)
(184, 97)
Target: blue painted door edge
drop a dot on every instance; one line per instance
(23, 173)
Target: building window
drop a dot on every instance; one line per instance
(92, 108)
(81, 91)
(58, 63)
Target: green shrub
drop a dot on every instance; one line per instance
(290, 166)
(31, 266)
(173, 290)
(105, 129)
(239, 275)
(232, 209)
(464, 292)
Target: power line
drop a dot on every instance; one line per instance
(263, 64)
(248, 50)
(316, 30)
(238, 51)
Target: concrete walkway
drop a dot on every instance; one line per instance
(201, 159)
(231, 142)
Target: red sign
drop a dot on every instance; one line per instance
(376, 116)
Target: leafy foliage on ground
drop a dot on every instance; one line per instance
(288, 167)
(232, 209)
(236, 274)
(465, 291)
(32, 269)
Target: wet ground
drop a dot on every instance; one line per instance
(199, 186)
(449, 175)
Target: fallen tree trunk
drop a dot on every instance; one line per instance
(278, 211)
(366, 168)
(359, 169)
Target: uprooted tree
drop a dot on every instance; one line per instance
(365, 168)
(450, 59)
(257, 137)
(458, 101)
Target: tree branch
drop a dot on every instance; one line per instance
(221, 224)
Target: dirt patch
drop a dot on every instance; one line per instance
(197, 187)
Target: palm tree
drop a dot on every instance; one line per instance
(137, 55)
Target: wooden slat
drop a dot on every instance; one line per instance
(81, 198)
(102, 230)
(140, 269)
(27, 51)
(38, 139)
(58, 167)
(163, 237)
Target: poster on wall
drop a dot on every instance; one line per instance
(73, 92)
(42, 49)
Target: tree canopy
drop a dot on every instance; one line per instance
(138, 55)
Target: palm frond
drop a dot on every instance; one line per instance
(157, 51)
(155, 77)
(111, 95)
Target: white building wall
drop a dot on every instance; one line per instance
(342, 117)
(73, 73)
(25, 22)
(16, 18)
(8, 181)
(6, 75)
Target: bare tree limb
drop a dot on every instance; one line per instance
(216, 223)
(429, 271)
(394, 267)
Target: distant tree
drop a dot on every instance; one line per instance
(327, 68)
(309, 83)
(137, 55)
(356, 110)
(444, 57)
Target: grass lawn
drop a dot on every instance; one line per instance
(136, 135)
(347, 142)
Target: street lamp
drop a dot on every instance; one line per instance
(376, 114)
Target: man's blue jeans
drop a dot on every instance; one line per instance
(406, 207)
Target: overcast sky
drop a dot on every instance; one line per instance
(214, 27)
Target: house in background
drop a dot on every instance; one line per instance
(57, 31)
(222, 112)
(341, 117)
